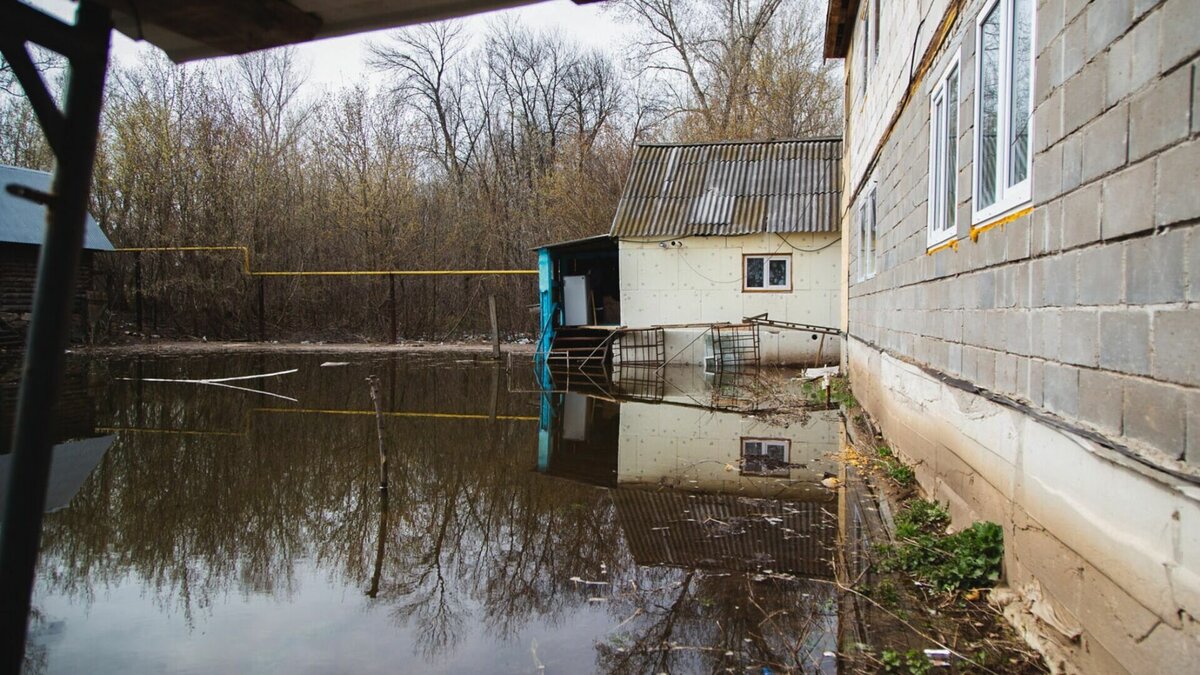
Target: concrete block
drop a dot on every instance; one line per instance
(1016, 332)
(1178, 177)
(1107, 21)
(1154, 414)
(1047, 73)
(1101, 275)
(1192, 454)
(1120, 64)
(1016, 234)
(1154, 269)
(1060, 389)
(1046, 236)
(1180, 35)
(1081, 216)
(1125, 341)
(1049, 18)
(1140, 7)
(1146, 57)
(1196, 97)
(1129, 200)
(1006, 373)
(1047, 122)
(1072, 8)
(1101, 400)
(1160, 115)
(1045, 328)
(985, 369)
(1080, 337)
(1072, 167)
(1058, 282)
(1084, 95)
(1106, 143)
(1176, 357)
(1034, 381)
(1074, 43)
(1193, 265)
(1048, 174)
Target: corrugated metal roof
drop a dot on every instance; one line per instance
(732, 188)
(723, 532)
(24, 222)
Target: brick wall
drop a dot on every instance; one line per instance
(1084, 308)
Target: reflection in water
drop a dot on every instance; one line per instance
(226, 530)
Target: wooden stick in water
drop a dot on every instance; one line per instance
(373, 381)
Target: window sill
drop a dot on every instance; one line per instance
(766, 290)
(950, 243)
(1000, 220)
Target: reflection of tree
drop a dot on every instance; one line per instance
(695, 621)
(467, 530)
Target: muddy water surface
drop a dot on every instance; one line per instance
(198, 528)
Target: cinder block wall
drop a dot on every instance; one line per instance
(1084, 311)
(1085, 308)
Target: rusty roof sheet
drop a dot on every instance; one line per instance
(731, 188)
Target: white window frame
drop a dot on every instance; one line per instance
(1008, 198)
(767, 286)
(943, 224)
(867, 259)
(866, 48)
(783, 470)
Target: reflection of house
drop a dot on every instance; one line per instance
(1022, 225)
(686, 445)
(22, 226)
(702, 488)
(707, 234)
(711, 451)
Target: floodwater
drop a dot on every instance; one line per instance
(202, 528)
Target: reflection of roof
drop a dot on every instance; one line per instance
(24, 222)
(732, 188)
(727, 533)
(73, 462)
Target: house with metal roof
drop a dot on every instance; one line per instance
(22, 226)
(706, 237)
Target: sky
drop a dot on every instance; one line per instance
(335, 61)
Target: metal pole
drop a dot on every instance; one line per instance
(262, 315)
(49, 329)
(392, 302)
(137, 285)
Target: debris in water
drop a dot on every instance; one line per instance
(581, 580)
(938, 657)
(224, 382)
(334, 364)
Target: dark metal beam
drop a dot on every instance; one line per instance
(50, 327)
(230, 26)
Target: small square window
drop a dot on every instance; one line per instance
(767, 273)
(766, 456)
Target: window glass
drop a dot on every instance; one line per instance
(950, 140)
(1022, 55)
(779, 275)
(754, 272)
(989, 101)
